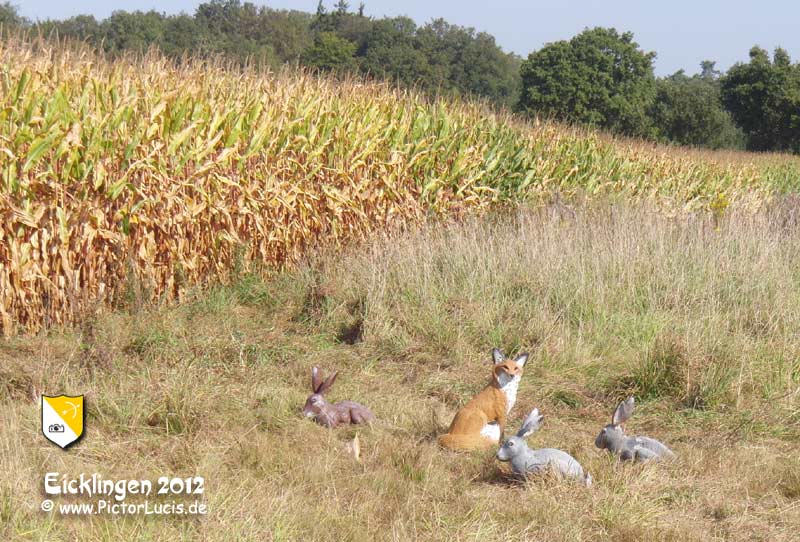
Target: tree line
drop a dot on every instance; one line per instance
(600, 78)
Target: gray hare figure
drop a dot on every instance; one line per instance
(332, 415)
(526, 461)
(612, 438)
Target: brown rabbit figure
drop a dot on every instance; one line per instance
(332, 415)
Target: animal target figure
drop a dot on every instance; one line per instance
(332, 415)
(612, 437)
(481, 422)
(525, 461)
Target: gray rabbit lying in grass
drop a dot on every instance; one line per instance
(526, 461)
(613, 438)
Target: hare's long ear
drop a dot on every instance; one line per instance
(316, 379)
(497, 356)
(328, 383)
(623, 411)
(521, 359)
(531, 424)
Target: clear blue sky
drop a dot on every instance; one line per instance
(682, 32)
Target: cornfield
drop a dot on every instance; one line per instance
(171, 175)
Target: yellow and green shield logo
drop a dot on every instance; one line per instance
(62, 418)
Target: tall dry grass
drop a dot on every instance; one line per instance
(695, 308)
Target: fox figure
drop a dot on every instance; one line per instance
(481, 422)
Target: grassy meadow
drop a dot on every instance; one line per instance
(696, 316)
(182, 244)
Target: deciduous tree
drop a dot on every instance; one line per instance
(763, 97)
(599, 78)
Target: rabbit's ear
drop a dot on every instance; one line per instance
(531, 424)
(497, 356)
(316, 379)
(328, 383)
(521, 359)
(623, 411)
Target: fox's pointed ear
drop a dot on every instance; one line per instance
(316, 380)
(522, 359)
(497, 356)
(328, 383)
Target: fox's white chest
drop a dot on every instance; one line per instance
(509, 386)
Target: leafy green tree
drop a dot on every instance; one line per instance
(487, 71)
(10, 17)
(389, 51)
(136, 31)
(708, 70)
(599, 77)
(467, 62)
(323, 21)
(181, 35)
(350, 27)
(763, 97)
(235, 30)
(688, 111)
(287, 32)
(330, 53)
(82, 27)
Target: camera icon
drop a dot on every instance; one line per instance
(55, 428)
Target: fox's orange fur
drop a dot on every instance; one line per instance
(490, 405)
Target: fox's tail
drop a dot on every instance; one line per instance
(461, 442)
